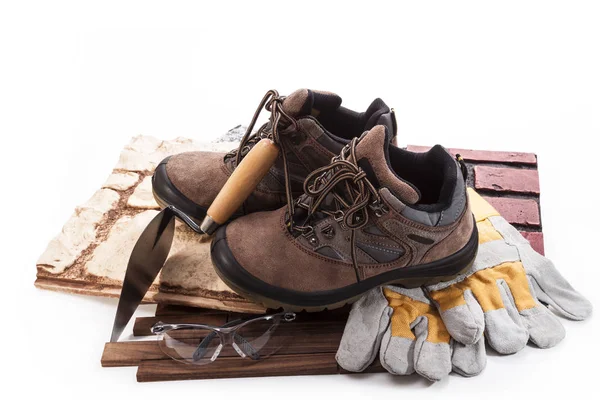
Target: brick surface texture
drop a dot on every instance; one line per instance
(487, 156)
(517, 211)
(536, 239)
(503, 179)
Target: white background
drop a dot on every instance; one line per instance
(78, 79)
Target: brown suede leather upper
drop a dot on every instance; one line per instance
(198, 175)
(371, 147)
(262, 244)
(326, 257)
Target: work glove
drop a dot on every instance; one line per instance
(505, 292)
(405, 328)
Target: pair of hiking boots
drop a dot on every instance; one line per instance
(342, 211)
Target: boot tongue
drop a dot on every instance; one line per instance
(372, 153)
(305, 102)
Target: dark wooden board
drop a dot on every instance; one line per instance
(316, 336)
(277, 365)
(129, 354)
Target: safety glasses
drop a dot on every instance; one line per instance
(200, 344)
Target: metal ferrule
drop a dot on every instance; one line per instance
(209, 226)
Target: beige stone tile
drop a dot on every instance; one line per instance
(121, 181)
(78, 233)
(142, 196)
(91, 253)
(110, 258)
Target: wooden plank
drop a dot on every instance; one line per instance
(296, 338)
(193, 315)
(302, 337)
(277, 365)
(126, 354)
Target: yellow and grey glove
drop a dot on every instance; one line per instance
(505, 291)
(405, 328)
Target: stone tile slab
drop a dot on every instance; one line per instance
(90, 254)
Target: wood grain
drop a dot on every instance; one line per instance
(278, 365)
(243, 180)
(128, 354)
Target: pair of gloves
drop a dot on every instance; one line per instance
(440, 328)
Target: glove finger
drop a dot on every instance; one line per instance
(396, 354)
(551, 288)
(398, 343)
(469, 360)
(465, 321)
(368, 320)
(545, 329)
(554, 288)
(432, 359)
(503, 327)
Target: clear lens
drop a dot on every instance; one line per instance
(260, 339)
(254, 340)
(191, 346)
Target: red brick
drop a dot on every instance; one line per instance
(487, 156)
(507, 179)
(517, 211)
(536, 239)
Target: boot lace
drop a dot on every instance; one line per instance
(343, 191)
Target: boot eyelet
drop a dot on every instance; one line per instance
(328, 231)
(339, 218)
(313, 240)
(381, 212)
(379, 209)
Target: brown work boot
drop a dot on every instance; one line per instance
(375, 215)
(312, 127)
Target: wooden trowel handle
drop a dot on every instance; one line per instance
(241, 184)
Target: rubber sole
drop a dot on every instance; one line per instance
(247, 285)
